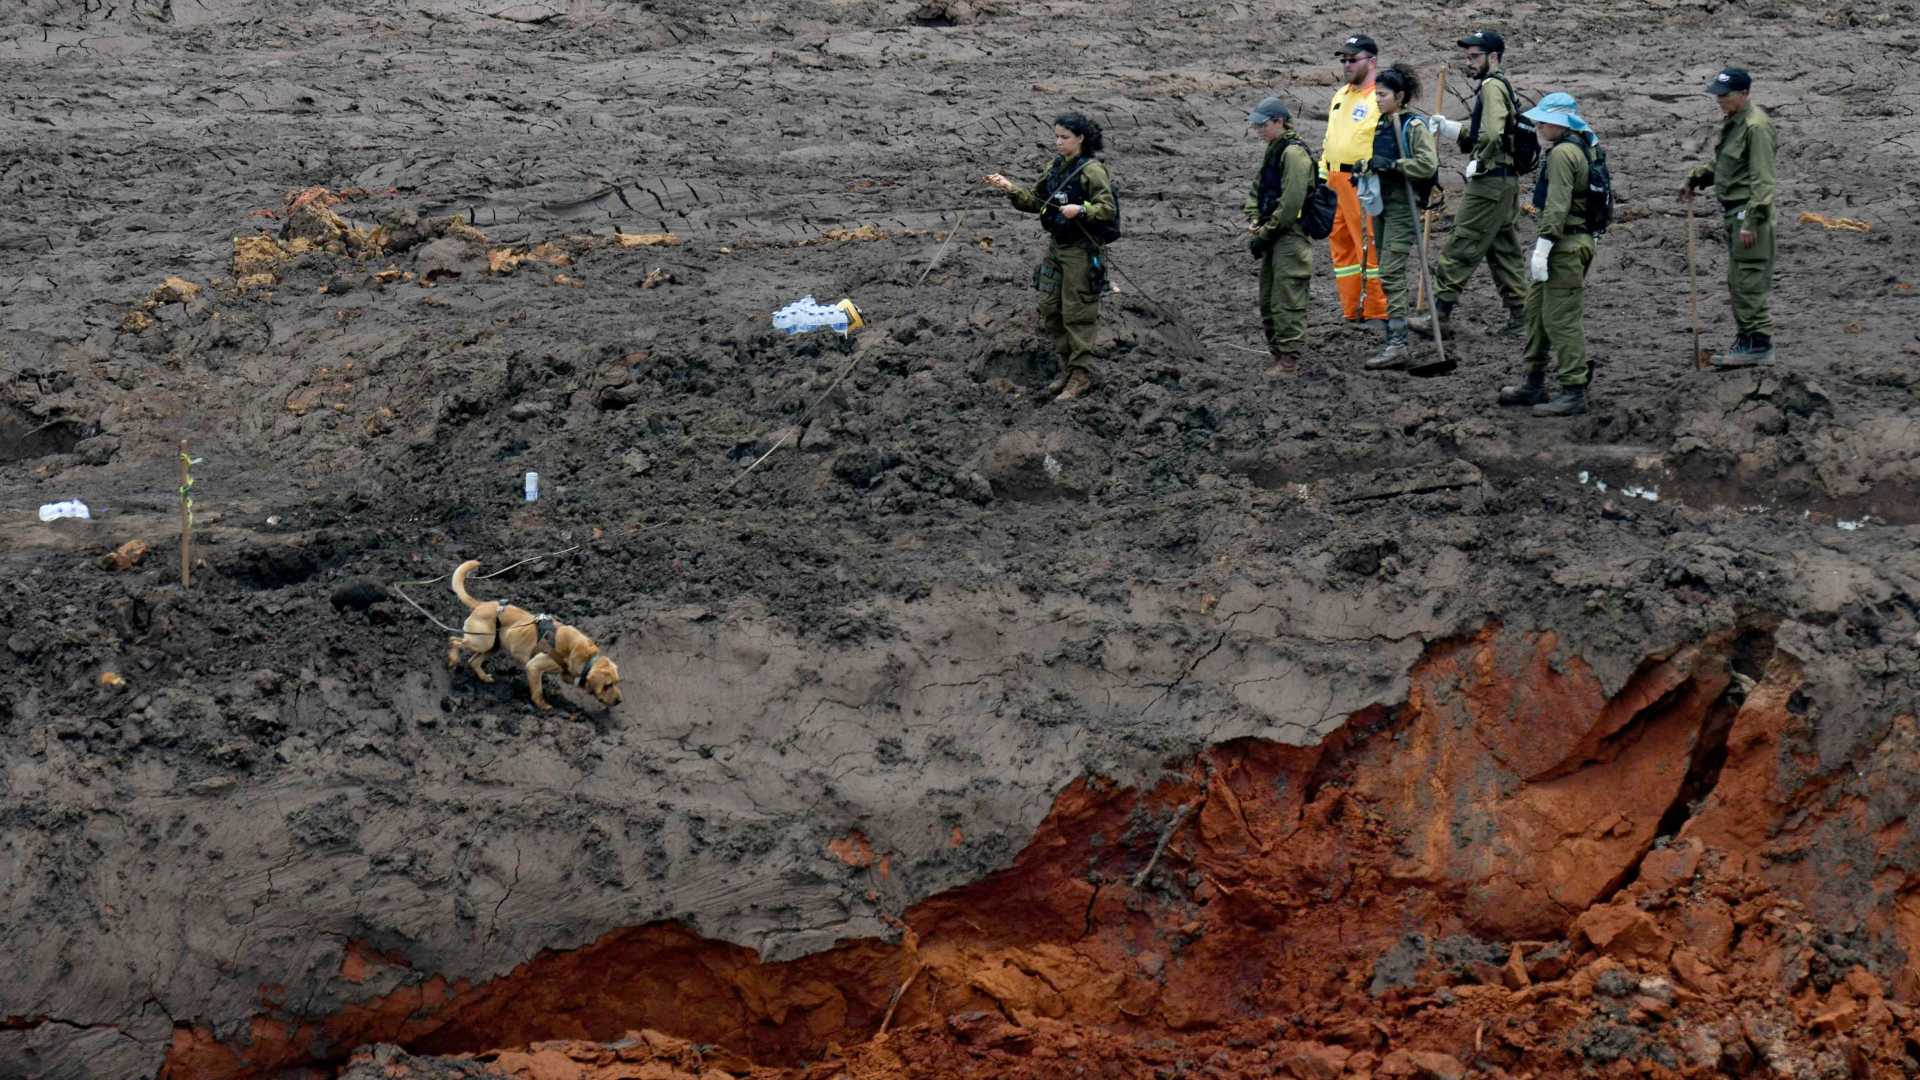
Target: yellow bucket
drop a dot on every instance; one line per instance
(854, 321)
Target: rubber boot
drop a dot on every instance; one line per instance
(1516, 325)
(1392, 354)
(1531, 392)
(1422, 325)
(1078, 383)
(1567, 401)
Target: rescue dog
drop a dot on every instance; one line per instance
(539, 644)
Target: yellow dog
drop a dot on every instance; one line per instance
(538, 642)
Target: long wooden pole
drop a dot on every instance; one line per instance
(1426, 218)
(1693, 290)
(1426, 271)
(186, 517)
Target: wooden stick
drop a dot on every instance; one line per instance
(1426, 218)
(1173, 826)
(186, 517)
(897, 995)
(1693, 287)
(1426, 268)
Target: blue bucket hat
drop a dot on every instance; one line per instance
(1558, 108)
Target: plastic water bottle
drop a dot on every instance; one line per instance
(807, 314)
(72, 508)
(533, 487)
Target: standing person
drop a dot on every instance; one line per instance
(1274, 236)
(1486, 225)
(1077, 209)
(1397, 228)
(1557, 297)
(1349, 141)
(1742, 177)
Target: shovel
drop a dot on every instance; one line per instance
(1702, 358)
(1440, 365)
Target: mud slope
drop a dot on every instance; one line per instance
(924, 692)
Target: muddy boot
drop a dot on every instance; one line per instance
(1423, 325)
(1059, 383)
(1516, 324)
(1567, 401)
(1078, 383)
(1531, 392)
(1749, 350)
(1286, 364)
(1394, 353)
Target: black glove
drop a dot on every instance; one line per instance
(1383, 165)
(1259, 245)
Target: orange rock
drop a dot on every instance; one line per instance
(1422, 1065)
(1623, 931)
(1694, 972)
(1663, 868)
(126, 556)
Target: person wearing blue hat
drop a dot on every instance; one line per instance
(1742, 177)
(1557, 272)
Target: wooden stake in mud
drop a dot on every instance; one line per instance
(186, 515)
(1426, 216)
(1700, 357)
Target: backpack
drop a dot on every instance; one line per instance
(1599, 190)
(1523, 142)
(1072, 190)
(1316, 213)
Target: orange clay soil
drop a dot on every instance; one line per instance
(1509, 876)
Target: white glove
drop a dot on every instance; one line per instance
(1443, 127)
(1473, 168)
(1537, 269)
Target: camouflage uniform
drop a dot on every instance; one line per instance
(1070, 278)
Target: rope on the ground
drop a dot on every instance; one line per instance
(401, 593)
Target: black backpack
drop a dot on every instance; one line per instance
(1071, 190)
(1523, 142)
(1599, 190)
(1316, 213)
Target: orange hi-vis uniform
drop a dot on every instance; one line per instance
(1356, 259)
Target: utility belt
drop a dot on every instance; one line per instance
(1495, 174)
(1728, 206)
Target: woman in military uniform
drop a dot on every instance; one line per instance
(1400, 126)
(1077, 209)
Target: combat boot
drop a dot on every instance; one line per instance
(1392, 354)
(1078, 383)
(1422, 325)
(1058, 383)
(1567, 401)
(1749, 350)
(1286, 364)
(1516, 324)
(1531, 392)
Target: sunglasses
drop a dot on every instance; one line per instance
(1352, 59)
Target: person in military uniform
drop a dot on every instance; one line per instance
(1556, 297)
(1397, 226)
(1485, 227)
(1742, 177)
(1273, 232)
(1076, 206)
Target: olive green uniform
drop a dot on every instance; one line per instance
(1286, 270)
(1485, 226)
(1743, 179)
(1556, 307)
(1397, 226)
(1069, 288)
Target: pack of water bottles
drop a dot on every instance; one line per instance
(806, 315)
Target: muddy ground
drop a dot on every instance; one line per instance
(939, 605)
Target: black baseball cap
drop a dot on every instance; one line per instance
(1485, 41)
(1730, 80)
(1357, 44)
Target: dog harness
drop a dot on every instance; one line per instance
(587, 669)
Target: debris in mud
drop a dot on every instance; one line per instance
(1842, 224)
(635, 240)
(126, 556)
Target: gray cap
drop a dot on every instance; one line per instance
(1269, 109)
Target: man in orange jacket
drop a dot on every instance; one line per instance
(1350, 123)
